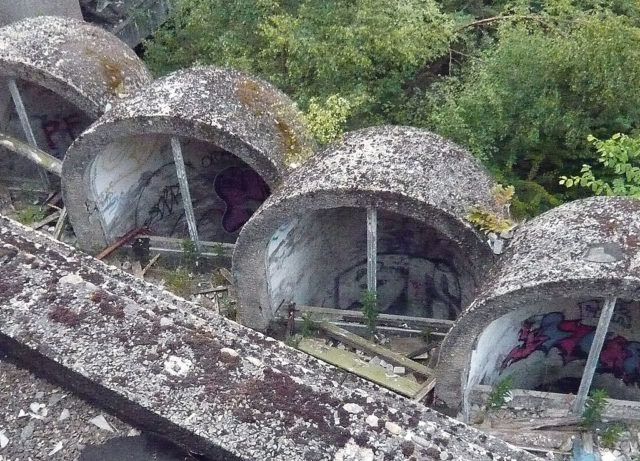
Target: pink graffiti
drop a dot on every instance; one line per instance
(243, 190)
(572, 339)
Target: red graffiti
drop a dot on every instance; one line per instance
(572, 339)
(243, 190)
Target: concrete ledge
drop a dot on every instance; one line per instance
(209, 384)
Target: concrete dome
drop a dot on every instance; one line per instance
(307, 243)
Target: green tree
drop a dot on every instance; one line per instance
(346, 61)
(618, 170)
(526, 99)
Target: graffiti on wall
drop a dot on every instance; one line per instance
(407, 285)
(225, 192)
(572, 340)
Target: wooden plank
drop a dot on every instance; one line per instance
(32, 153)
(372, 249)
(416, 323)
(426, 388)
(353, 364)
(52, 217)
(183, 182)
(60, 224)
(169, 245)
(594, 354)
(358, 342)
(540, 441)
(358, 328)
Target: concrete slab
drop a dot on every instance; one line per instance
(307, 244)
(156, 361)
(535, 317)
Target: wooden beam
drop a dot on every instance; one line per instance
(372, 249)
(170, 245)
(37, 156)
(26, 125)
(184, 191)
(358, 342)
(594, 354)
(60, 224)
(52, 217)
(353, 364)
(416, 323)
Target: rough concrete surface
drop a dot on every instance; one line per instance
(580, 252)
(222, 112)
(14, 10)
(207, 383)
(59, 417)
(420, 177)
(79, 62)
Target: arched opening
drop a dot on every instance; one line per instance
(545, 346)
(134, 184)
(55, 122)
(320, 259)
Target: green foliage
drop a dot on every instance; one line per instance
(426, 334)
(361, 53)
(218, 249)
(292, 341)
(500, 393)
(307, 326)
(527, 95)
(327, 121)
(490, 221)
(619, 171)
(179, 281)
(594, 407)
(369, 301)
(189, 253)
(30, 214)
(611, 435)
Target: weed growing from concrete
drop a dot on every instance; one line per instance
(369, 302)
(594, 407)
(179, 282)
(218, 249)
(500, 393)
(426, 335)
(30, 214)
(189, 254)
(611, 435)
(307, 325)
(293, 341)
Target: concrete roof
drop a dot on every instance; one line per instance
(205, 382)
(80, 62)
(230, 109)
(400, 169)
(587, 248)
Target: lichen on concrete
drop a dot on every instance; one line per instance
(402, 170)
(272, 403)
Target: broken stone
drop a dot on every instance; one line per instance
(372, 420)
(27, 431)
(100, 422)
(352, 408)
(228, 355)
(64, 414)
(4, 440)
(177, 366)
(254, 361)
(393, 427)
(56, 449)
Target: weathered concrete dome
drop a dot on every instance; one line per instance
(238, 135)
(536, 313)
(307, 243)
(67, 73)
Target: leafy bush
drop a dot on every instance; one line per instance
(500, 393)
(619, 168)
(611, 435)
(594, 407)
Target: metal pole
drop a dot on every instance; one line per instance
(372, 248)
(26, 126)
(184, 191)
(594, 354)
